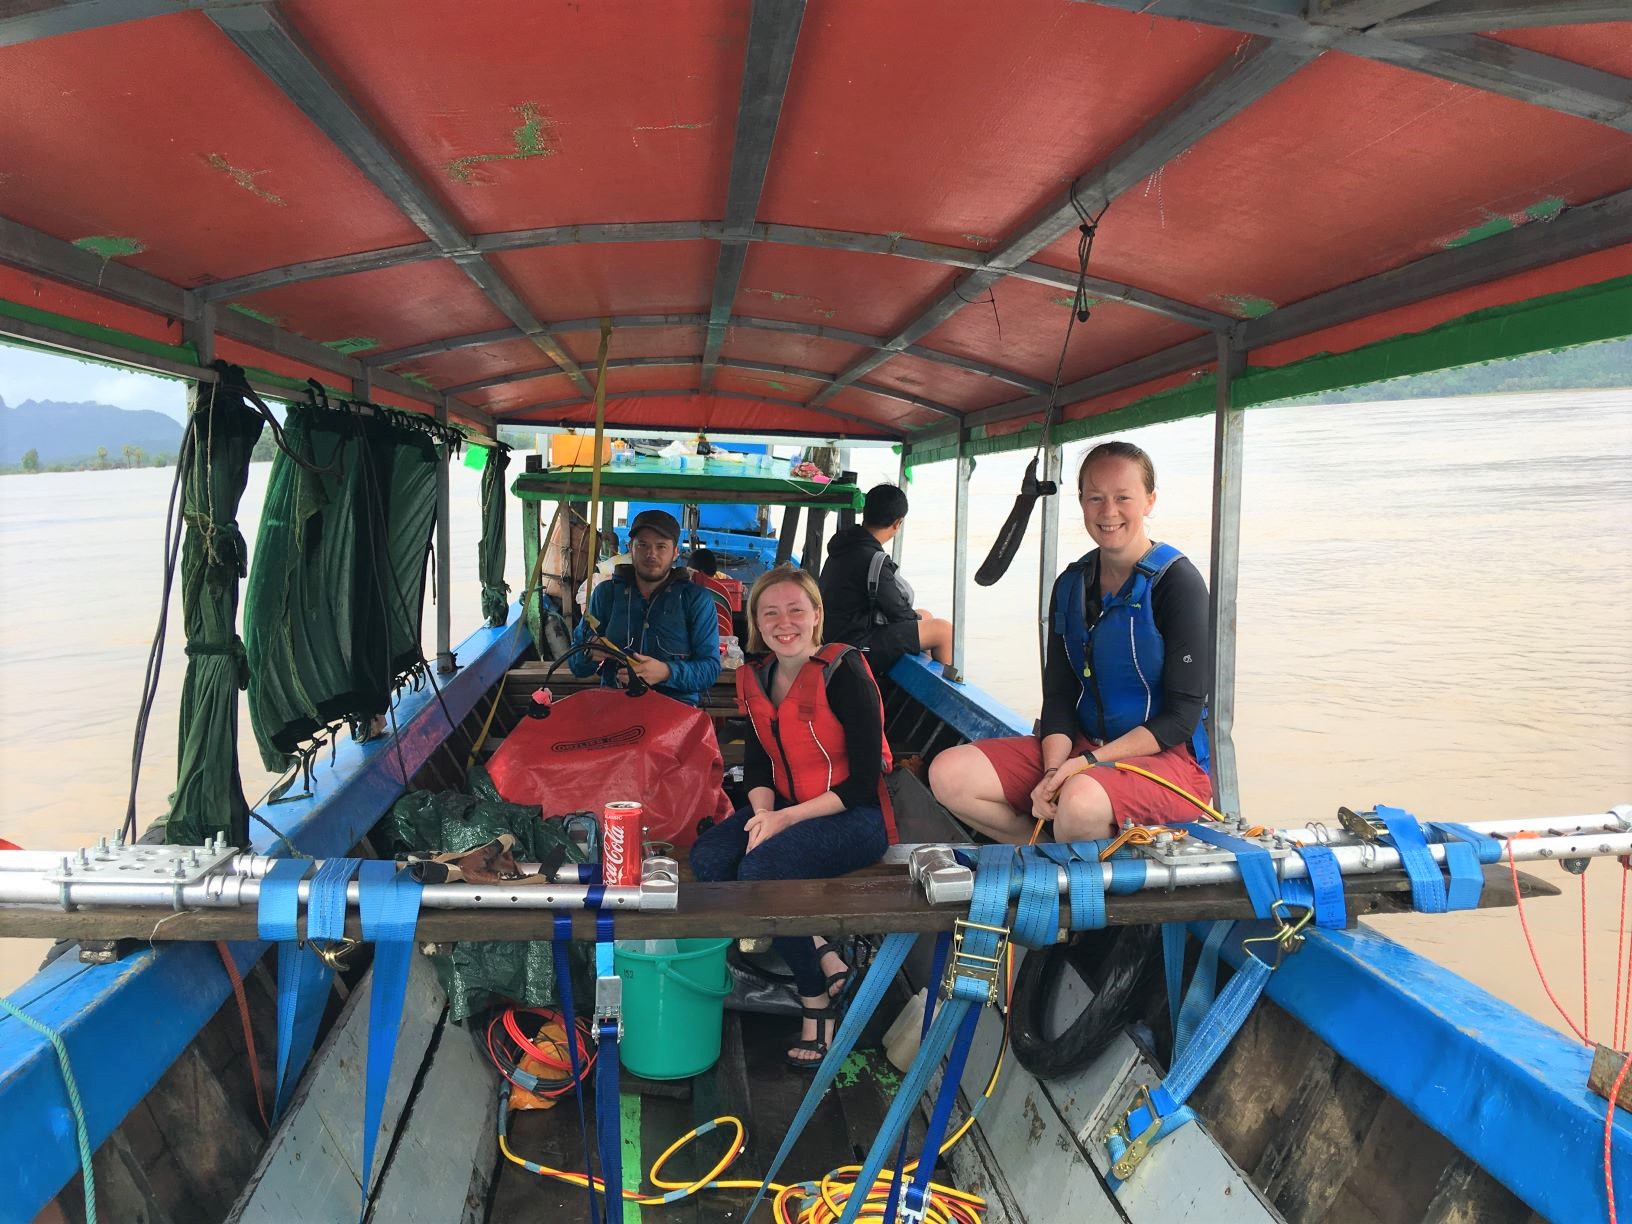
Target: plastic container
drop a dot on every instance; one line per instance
(577, 450)
(901, 1041)
(692, 463)
(673, 1005)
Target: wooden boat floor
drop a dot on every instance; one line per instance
(750, 1082)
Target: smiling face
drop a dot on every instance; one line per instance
(788, 622)
(1114, 505)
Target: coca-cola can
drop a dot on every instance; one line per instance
(620, 844)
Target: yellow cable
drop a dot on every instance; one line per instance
(486, 723)
(1172, 786)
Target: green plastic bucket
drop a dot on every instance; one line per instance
(673, 1007)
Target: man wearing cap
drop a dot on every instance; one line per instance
(652, 611)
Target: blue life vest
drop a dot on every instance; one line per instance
(1118, 661)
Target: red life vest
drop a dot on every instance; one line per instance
(802, 736)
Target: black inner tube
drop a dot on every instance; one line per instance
(1120, 965)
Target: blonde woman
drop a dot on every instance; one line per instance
(814, 768)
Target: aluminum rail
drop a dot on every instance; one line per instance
(227, 889)
(1572, 838)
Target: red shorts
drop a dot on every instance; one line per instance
(1018, 761)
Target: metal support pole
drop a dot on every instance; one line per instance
(1048, 548)
(1228, 438)
(362, 388)
(897, 544)
(445, 663)
(965, 466)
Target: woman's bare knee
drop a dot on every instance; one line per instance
(1084, 812)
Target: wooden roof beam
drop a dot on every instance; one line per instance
(1483, 16)
(773, 36)
(1220, 96)
(1012, 377)
(50, 257)
(1481, 63)
(762, 367)
(696, 231)
(513, 417)
(1577, 231)
(277, 49)
(1360, 14)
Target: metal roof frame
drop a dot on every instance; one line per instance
(881, 429)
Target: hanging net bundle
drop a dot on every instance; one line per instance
(222, 430)
(334, 611)
(490, 551)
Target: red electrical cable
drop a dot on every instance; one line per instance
(249, 1032)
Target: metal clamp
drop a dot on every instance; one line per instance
(964, 963)
(609, 1003)
(1287, 936)
(1363, 825)
(333, 954)
(1137, 1149)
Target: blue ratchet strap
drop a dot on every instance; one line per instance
(388, 901)
(1322, 891)
(1198, 1000)
(1127, 874)
(1174, 936)
(569, 1026)
(1466, 852)
(1406, 836)
(917, 1195)
(1037, 908)
(303, 979)
(1257, 868)
(937, 967)
(608, 1111)
(891, 954)
(975, 959)
(1166, 1111)
(1085, 885)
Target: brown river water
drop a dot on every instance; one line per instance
(1434, 614)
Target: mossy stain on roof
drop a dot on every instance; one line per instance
(244, 178)
(1246, 306)
(352, 344)
(258, 315)
(531, 139)
(110, 246)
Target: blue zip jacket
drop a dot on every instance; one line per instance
(1118, 661)
(677, 625)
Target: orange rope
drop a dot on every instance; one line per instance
(1609, 1129)
(1615, 1023)
(1524, 922)
(249, 1031)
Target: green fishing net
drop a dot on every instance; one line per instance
(480, 973)
(222, 430)
(490, 551)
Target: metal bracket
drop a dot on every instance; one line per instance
(963, 963)
(1137, 1148)
(609, 1003)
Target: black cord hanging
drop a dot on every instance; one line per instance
(1013, 532)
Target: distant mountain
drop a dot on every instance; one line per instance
(64, 433)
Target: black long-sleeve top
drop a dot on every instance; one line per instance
(854, 699)
(1179, 603)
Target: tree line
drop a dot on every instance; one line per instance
(103, 461)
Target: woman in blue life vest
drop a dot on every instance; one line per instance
(814, 768)
(1125, 679)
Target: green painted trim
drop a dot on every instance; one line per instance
(634, 1167)
(1550, 323)
(93, 331)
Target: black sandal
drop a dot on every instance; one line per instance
(840, 979)
(828, 1015)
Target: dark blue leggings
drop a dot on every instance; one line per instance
(816, 849)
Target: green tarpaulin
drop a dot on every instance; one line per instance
(490, 552)
(209, 797)
(478, 974)
(334, 609)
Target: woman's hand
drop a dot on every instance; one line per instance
(653, 671)
(1045, 796)
(764, 825)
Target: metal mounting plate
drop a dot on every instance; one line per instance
(139, 864)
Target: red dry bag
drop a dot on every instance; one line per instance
(599, 745)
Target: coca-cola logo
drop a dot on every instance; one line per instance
(596, 743)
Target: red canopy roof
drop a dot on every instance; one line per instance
(834, 218)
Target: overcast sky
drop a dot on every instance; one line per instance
(26, 374)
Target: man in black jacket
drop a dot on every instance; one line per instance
(866, 601)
